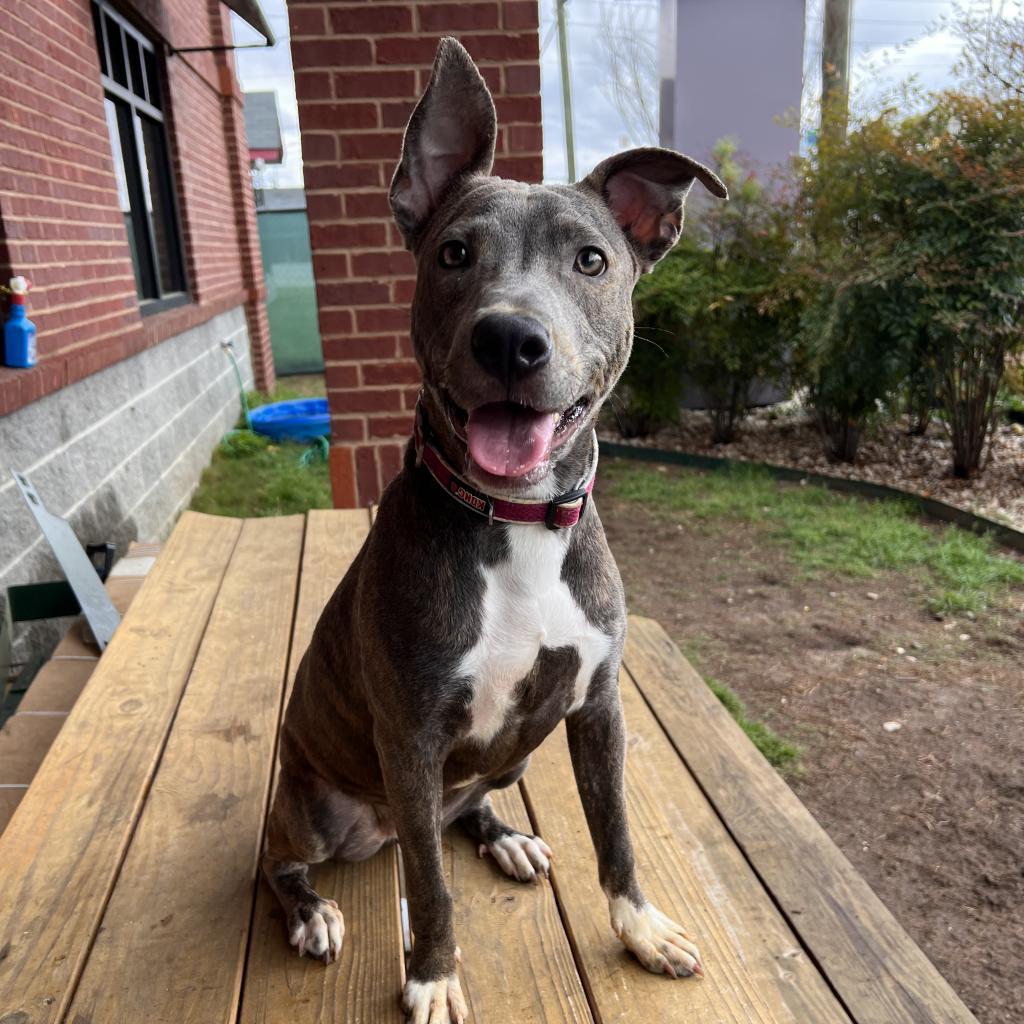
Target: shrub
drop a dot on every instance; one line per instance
(713, 310)
(921, 385)
(911, 268)
(964, 160)
(857, 331)
(849, 363)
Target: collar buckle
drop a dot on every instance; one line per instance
(581, 494)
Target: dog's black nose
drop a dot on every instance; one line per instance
(510, 347)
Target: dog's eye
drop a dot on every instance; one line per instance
(590, 261)
(452, 255)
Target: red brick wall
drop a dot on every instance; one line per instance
(359, 68)
(59, 217)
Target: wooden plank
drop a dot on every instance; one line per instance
(873, 965)
(172, 943)
(24, 740)
(10, 797)
(57, 685)
(690, 870)
(333, 539)
(74, 645)
(364, 986)
(61, 852)
(517, 964)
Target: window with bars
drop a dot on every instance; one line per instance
(129, 67)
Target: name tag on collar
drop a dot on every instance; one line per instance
(470, 498)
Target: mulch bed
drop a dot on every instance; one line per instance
(787, 436)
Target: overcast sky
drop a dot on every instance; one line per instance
(892, 39)
(270, 70)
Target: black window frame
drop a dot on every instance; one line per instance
(138, 106)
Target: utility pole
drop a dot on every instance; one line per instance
(835, 69)
(563, 55)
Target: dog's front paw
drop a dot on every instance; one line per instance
(317, 928)
(434, 1002)
(656, 940)
(519, 856)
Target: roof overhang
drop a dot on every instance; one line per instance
(249, 11)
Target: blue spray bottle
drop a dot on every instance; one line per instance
(19, 331)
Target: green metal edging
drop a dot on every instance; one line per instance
(937, 510)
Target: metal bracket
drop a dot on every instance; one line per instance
(79, 569)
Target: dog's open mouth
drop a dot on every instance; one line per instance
(507, 439)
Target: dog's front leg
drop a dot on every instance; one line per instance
(413, 782)
(597, 745)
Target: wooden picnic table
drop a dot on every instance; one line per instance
(129, 882)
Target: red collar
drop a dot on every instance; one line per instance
(559, 513)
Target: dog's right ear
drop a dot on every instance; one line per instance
(450, 135)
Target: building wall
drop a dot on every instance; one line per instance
(60, 225)
(119, 452)
(359, 69)
(738, 70)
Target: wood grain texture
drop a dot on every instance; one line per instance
(876, 969)
(172, 942)
(517, 964)
(333, 539)
(690, 870)
(61, 852)
(365, 985)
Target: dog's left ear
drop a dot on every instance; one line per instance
(450, 135)
(645, 189)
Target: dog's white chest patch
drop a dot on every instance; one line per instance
(526, 606)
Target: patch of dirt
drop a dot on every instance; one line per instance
(786, 436)
(932, 814)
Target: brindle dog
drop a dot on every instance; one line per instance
(455, 645)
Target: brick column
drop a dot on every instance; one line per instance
(359, 69)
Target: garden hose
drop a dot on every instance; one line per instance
(318, 450)
(229, 348)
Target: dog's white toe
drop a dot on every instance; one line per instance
(319, 931)
(521, 857)
(434, 1002)
(657, 941)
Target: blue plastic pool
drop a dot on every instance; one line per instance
(300, 420)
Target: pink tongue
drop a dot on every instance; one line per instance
(506, 439)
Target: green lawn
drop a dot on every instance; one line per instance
(823, 531)
(248, 476)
